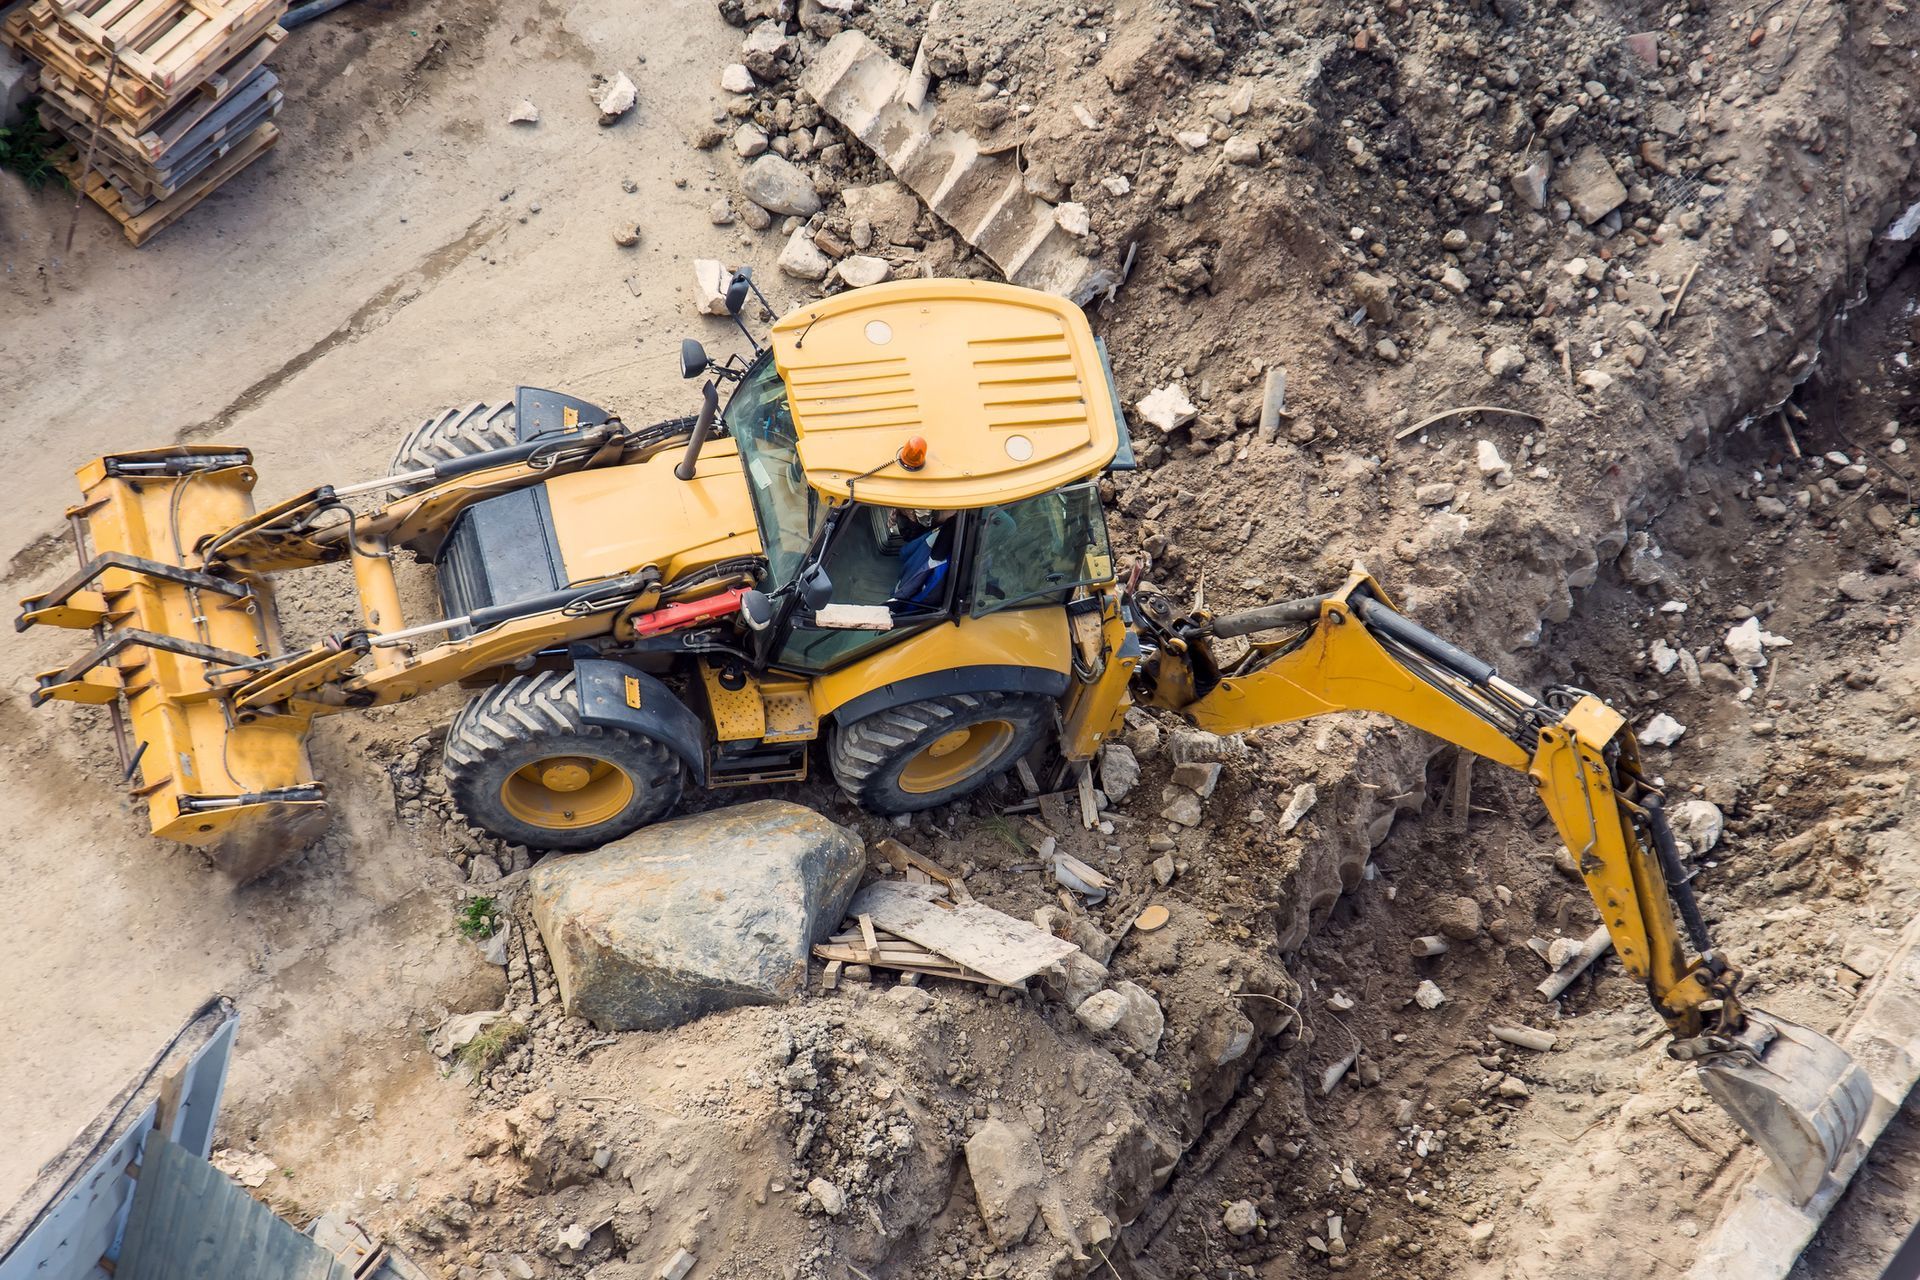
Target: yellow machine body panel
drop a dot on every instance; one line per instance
(1035, 638)
(613, 520)
(1005, 385)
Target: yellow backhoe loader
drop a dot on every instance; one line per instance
(894, 548)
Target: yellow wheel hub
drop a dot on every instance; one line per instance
(955, 756)
(566, 792)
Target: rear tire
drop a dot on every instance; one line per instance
(927, 753)
(455, 433)
(523, 766)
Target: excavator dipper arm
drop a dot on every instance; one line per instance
(1800, 1096)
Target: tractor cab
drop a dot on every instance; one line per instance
(918, 454)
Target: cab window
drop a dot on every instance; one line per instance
(880, 556)
(1037, 551)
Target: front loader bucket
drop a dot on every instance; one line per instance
(170, 639)
(1802, 1100)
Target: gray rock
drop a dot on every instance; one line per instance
(618, 99)
(1457, 917)
(1101, 1012)
(749, 141)
(1074, 978)
(1242, 149)
(831, 1199)
(1506, 362)
(859, 270)
(1241, 1218)
(778, 186)
(1591, 186)
(1197, 777)
(1530, 184)
(1698, 822)
(688, 917)
(1141, 1024)
(763, 48)
(802, 259)
(1005, 1165)
(1182, 806)
(1373, 292)
(1437, 494)
(1119, 771)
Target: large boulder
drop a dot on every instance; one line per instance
(688, 917)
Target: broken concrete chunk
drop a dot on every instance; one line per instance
(1591, 186)
(982, 194)
(831, 1199)
(763, 48)
(1748, 643)
(1305, 796)
(1427, 995)
(676, 1267)
(859, 270)
(775, 184)
(1375, 293)
(1698, 824)
(525, 113)
(1005, 1165)
(1073, 979)
(1141, 1021)
(1506, 362)
(1241, 1218)
(1072, 218)
(1119, 771)
(735, 78)
(802, 259)
(710, 281)
(1166, 408)
(1661, 731)
(618, 99)
(1492, 465)
(573, 1237)
(688, 917)
(1101, 1012)
(1182, 806)
(1197, 777)
(1530, 184)
(1457, 916)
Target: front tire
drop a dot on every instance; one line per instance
(930, 752)
(459, 432)
(523, 766)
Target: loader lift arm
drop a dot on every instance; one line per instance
(1799, 1095)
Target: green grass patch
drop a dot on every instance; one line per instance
(27, 149)
(480, 1054)
(479, 919)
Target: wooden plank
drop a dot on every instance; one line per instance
(988, 941)
(867, 940)
(907, 862)
(830, 976)
(142, 225)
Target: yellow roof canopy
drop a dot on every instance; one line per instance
(1004, 384)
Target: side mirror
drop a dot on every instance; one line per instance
(693, 356)
(816, 588)
(756, 610)
(737, 291)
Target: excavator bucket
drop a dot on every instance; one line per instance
(1802, 1099)
(171, 639)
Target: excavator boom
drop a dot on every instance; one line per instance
(1797, 1094)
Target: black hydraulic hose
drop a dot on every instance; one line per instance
(1449, 656)
(1286, 613)
(709, 406)
(1679, 883)
(607, 591)
(443, 471)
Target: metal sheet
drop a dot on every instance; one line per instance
(191, 1222)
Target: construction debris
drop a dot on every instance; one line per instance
(989, 942)
(618, 99)
(159, 105)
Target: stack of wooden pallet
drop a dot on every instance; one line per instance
(161, 100)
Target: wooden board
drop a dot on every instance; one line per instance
(143, 226)
(989, 942)
(141, 183)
